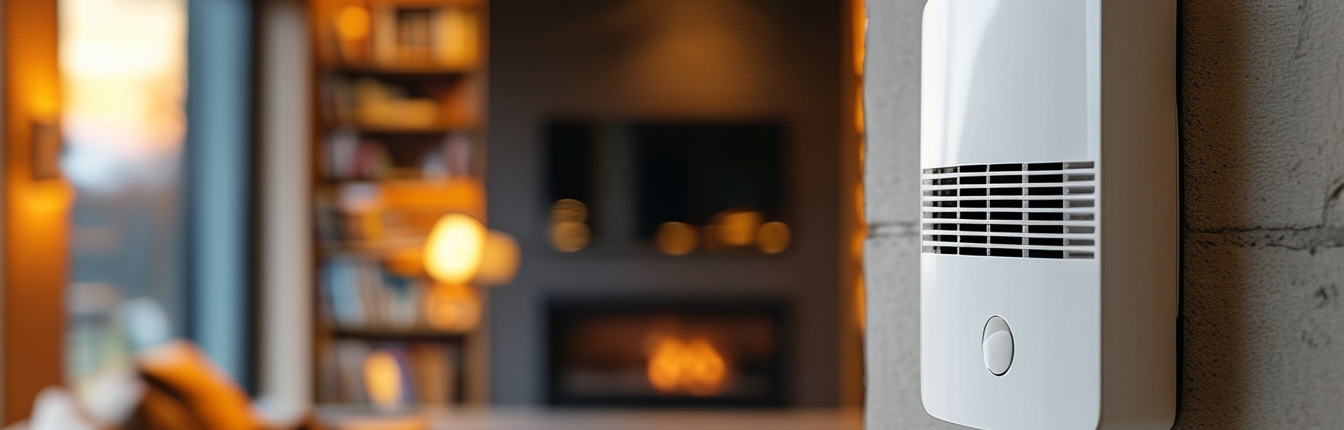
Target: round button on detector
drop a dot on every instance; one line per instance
(997, 344)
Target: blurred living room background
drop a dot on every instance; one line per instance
(485, 214)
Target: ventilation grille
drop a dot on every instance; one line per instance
(1033, 210)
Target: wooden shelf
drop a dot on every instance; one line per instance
(430, 3)
(393, 180)
(398, 334)
(334, 183)
(350, 78)
(403, 72)
(368, 247)
(392, 131)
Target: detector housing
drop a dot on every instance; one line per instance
(1049, 213)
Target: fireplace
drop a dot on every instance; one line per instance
(659, 353)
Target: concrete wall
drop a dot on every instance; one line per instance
(1263, 142)
(658, 59)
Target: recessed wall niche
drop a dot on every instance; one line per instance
(677, 186)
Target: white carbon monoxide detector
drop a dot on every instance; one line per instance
(1049, 272)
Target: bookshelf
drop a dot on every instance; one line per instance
(399, 142)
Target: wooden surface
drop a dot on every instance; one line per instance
(608, 419)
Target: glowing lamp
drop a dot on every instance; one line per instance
(453, 252)
(499, 259)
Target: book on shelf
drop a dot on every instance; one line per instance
(424, 373)
(349, 360)
(350, 213)
(347, 156)
(443, 35)
(361, 294)
(350, 157)
(435, 368)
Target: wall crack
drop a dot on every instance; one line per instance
(1328, 234)
(1311, 239)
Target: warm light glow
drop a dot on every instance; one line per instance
(694, 367)
(856, 244)
(453, 308)
(383, 380)
(710, 237)
(453, 250)
(859, 234)
(773, 237)
(569, 210)
(860, 300)
(738, 228)
(693, 54)
(352, 22)
(677, 238)
(859, 21)
(45, 107)
(859, 126)
(858, 200)
(569, 228)
(570, 236)
(499, 261)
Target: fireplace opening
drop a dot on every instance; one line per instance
(651, 353)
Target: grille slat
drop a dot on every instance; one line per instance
(1014, 210)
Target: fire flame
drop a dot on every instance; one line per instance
(694, 366)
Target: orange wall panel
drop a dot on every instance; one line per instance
(35, 212)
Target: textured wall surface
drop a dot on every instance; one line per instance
(1263, 144)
